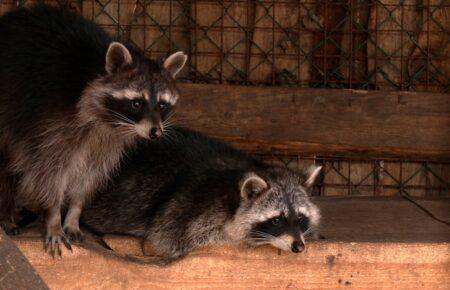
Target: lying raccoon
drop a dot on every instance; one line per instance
(192, 191)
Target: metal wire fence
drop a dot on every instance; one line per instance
(359, 177)
(360, 44)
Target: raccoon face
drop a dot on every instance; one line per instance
(276, 209)
(137, 95)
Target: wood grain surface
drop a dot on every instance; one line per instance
(327, 122)
(15, 270)
(371, 243)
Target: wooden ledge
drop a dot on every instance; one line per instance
(337, 122)
(372, 243)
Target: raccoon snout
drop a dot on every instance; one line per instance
(297, 246)
(155, 133)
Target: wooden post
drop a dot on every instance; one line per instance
(15, 270)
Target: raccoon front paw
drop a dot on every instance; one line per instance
(74, 234)
(55, 241)
(9, 227)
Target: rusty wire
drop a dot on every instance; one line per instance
(324, 44)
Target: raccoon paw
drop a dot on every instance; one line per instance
(9, 227)
(55, 241)
(74, 234)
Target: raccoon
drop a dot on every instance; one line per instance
(190, 191)
(72, 100)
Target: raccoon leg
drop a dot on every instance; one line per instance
(7, 222)
(171, 252)
(7, 199)
(71, 221)
(55, 234)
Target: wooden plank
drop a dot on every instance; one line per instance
(348, 123)
(377, 244)
(322, 266)
(15, 270)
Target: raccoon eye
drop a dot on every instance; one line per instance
(163, 106)
(276, 221)
(136, 104)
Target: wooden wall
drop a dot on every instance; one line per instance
(370, 143)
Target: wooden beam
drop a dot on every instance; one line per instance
(15, 270)
(342, 122)
(378, 243)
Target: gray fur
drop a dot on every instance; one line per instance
(75, 106)
(190, 191)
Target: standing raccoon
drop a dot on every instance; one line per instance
(72, 100)
(192, 191)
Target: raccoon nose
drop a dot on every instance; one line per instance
(297, 247)
(155, 133)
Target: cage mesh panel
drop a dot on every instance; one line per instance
(361, 44)
(361, 177)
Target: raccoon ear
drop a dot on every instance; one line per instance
(311, 174)
(117, 56)
(251, 186)
(175, 62)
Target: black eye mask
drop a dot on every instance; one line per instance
(281, 225)
(127, 108)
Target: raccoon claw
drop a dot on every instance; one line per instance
(54, 242)
(75, 236)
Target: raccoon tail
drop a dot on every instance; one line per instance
(96, 243)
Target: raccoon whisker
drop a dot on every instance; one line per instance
(169, 121)
(264, 235)
(270, 237)
(124, 120)
(169, 129)
(121, 124)
(170, 115)
(259, 241)
(308, 231)
(260, 232)
(126, 127)
(309, 234)
(122, 117)
(166, 126)
(170, 134)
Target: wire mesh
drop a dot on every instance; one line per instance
(361, 44)
(359, 177)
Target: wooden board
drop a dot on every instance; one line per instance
(318, 121)
(15, 270)
(377, 244)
